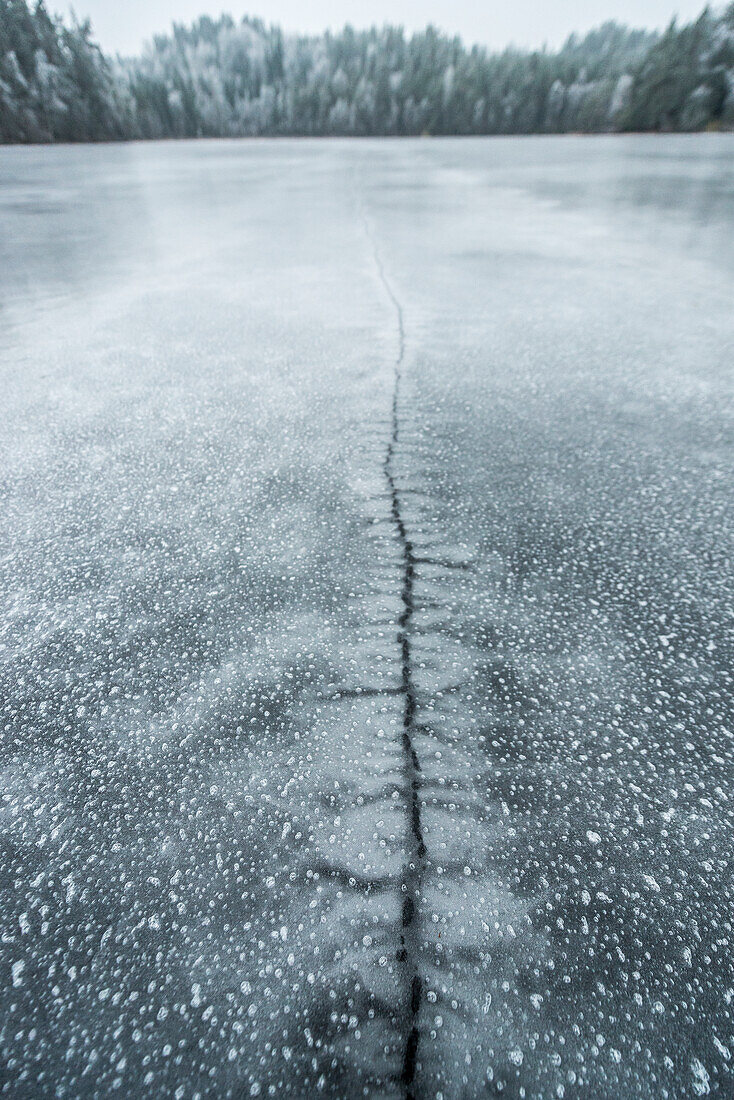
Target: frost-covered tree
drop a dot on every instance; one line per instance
(55, 84)
(685, 79)
(221, 77)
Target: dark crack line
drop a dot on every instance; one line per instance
(415, 846)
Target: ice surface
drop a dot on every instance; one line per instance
(211, 821)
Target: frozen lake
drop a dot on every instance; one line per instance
(366, 636)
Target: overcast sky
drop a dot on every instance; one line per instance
(123, 25)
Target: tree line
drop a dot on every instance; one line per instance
(223, 78)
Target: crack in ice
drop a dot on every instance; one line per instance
(416, 849)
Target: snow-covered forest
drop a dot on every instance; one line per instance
(228, 78)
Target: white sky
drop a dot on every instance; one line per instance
(123, 25)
